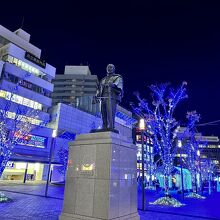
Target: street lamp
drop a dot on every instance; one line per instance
(139, 165)
(54, 135)
(142, 129)
(179, 144)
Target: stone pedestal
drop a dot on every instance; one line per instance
(101, 179)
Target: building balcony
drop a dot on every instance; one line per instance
(14, 88)
(22, 74)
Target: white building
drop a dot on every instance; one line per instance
(25, 82)
(76, 87)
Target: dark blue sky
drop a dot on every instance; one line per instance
(148, 42)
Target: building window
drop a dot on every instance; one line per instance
(17, 99)
(20, 100)
(23, 65)
(3, 94)
(28, 102)
(8, 58)
(12, 115)
(26, 84)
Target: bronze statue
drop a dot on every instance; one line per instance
(110, 93)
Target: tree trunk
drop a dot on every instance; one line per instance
(166, 185)
(194, 183)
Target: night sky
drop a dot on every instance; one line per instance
(147, 42)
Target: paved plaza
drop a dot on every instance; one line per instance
(208, 207)
(30, 203)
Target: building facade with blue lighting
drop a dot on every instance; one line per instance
(25, 83)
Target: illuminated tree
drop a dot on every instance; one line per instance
(190, 144)
(159, 116)
(14, 126)
(63, 155)
(162, 122)
(16, 121)
(63, 151)
(207, 170)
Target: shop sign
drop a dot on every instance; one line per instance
(33, 59)
(25, 84)
(31, 140)
(10, 164)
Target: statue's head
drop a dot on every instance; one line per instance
(110, 69)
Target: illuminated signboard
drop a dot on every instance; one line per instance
(25, 84)
(10, 164)
(35, 60)
(31, 140)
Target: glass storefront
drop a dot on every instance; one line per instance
(16, 171)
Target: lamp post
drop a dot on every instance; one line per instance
(142, 129)
(25, 173)
(54, 134)
(181, 165)
(139, 164)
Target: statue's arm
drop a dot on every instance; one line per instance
(118, 85)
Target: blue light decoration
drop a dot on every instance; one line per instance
(67, 135)
(4, 198)
(176, 173)
(18, 123)
(187, 178)
(63, 157)
(64, 150)
(206, 172)
(14, 122)
(191, 141)
(194, 195)
(167, 201)
(159, 116)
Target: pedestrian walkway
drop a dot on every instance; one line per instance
(26, 207)
(30, 203)
(33, 188)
